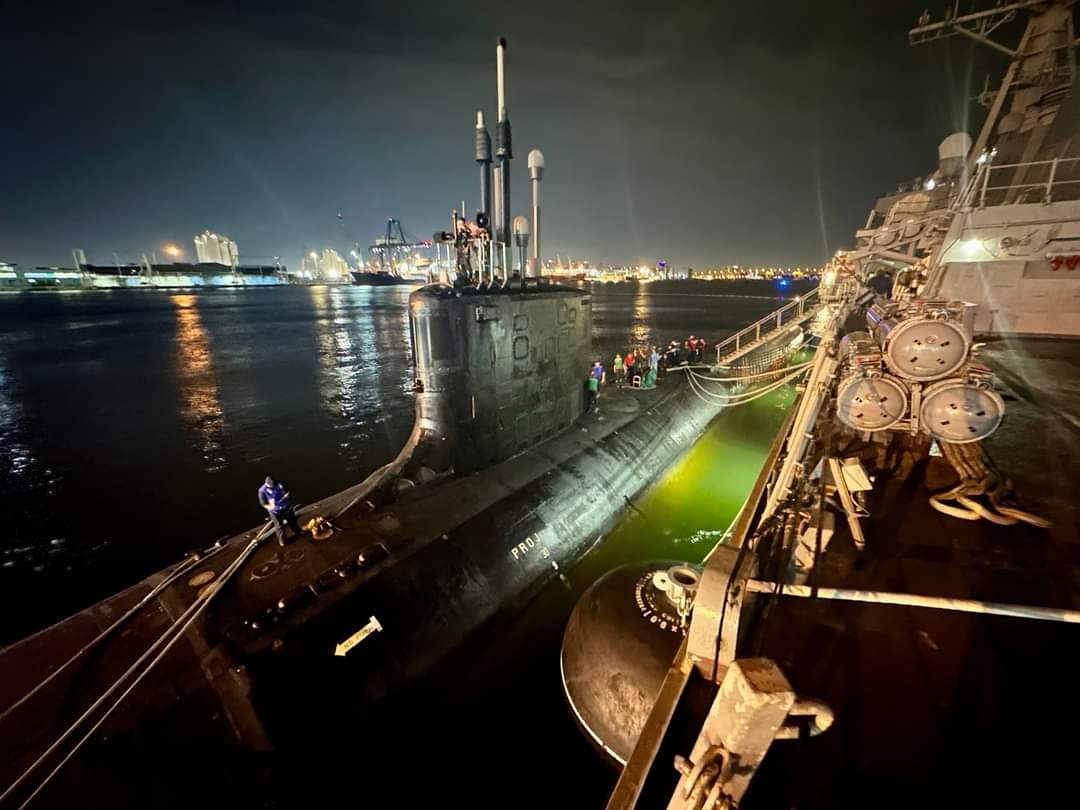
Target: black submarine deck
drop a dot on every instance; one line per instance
(936, 708)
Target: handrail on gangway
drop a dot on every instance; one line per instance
(792, 312)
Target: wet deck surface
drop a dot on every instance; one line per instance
(934, 708)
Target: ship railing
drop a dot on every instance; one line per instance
(760, 330)
(1040, 176)
(487, 258)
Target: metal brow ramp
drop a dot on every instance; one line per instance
(786, 319)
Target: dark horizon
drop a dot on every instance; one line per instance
(756, 135)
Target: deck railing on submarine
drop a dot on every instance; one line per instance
(486, 257)
(791, 312)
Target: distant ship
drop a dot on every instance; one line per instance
(379, 278)
(184, 274)
(178, 275)
(395, 260)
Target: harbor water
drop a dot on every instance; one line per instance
(135, 426)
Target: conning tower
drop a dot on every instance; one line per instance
(497, 372)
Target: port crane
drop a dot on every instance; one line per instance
(389, 252)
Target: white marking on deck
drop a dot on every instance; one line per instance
(372, 626)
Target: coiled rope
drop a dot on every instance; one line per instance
(979, 477)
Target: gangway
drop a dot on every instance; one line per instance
(787, 318)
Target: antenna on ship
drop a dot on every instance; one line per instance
(483, 157)
(503, 151)
(536, 170)
(1047, 49)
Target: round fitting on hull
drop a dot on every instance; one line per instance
(619, 643)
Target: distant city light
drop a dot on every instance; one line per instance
(173, 250)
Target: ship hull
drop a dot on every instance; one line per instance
(366, 279)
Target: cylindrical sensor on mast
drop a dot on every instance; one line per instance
(536, 171)
(483, 157)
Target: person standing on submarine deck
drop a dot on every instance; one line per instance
(596, 377)
(274, 498)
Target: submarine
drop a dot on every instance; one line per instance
(503, 483)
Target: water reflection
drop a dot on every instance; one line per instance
(15, 457)
(362, 336)
(201, 400)
(339, 366)
(642, 327)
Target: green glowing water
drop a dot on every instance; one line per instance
(502, 692)
(684, 513)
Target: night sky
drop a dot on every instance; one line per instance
(703, 133)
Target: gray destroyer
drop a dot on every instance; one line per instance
(889, 622)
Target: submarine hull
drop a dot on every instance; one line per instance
(490, 564)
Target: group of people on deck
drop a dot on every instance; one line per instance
(637, 365)
(640, 367)
(691, 351)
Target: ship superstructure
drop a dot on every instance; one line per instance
(899, 587)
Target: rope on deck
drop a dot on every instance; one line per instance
(978, 477)
(172, 634)
(742, 397)
(185, 565)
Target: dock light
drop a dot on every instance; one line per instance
(930, 184)
(313, 255)
(174, 251)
